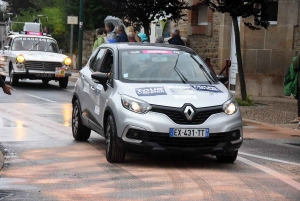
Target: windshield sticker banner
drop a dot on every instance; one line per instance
(157, 52)
(35, 39)
(150, 91)
(208, 88)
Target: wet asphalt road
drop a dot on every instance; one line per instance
(43, 162)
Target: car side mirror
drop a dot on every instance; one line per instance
(61, 51)
(6, 47)
(100, 78)
(223, 79)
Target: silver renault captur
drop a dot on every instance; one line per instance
(151, 98)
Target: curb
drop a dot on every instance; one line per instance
(270, 125)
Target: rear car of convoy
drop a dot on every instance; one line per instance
(31, 55)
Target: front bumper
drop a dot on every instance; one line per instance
(217, 143)
(38, 74)
(150, 133)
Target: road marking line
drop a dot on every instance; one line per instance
(51, 101)
(271, 172)
(269, 159)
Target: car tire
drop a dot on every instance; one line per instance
(3, 78)
(45, 81)
(114, 152)
(227, 158)
(63, 82)
(80, 131)
(13, 79)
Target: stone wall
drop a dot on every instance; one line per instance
(297, 39)
(87, 45)
(203, 39)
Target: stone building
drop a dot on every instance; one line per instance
(266, 54)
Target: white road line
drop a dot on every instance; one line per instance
(51, 101)
(269, 159)
(271, 172)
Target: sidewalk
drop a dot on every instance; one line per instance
(276, 111)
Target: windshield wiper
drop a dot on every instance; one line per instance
(207, 76)
(48, 47)
(34, 46)
(182, 77)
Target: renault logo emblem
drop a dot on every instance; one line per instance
(189, 113)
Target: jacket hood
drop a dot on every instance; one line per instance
(143, 37)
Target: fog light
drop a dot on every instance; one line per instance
(234, 135)
(135, 134)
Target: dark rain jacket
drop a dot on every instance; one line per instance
(2, 83)
(122, 38)
(176, 40)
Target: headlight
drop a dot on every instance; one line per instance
(68, 61)
(230, 107)
(135, 105)
(3, 58)
(20, 58)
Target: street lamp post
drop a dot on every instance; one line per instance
(80, 34)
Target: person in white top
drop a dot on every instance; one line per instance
(111, 34)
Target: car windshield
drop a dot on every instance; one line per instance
(163, 66)
(35, 44)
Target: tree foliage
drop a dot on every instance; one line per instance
(17, 6)
(244, 9)
(138, 13)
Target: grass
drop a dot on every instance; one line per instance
(247, 102)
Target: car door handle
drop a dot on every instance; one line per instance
(93, 88)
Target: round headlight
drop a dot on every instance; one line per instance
(230, 109)
(68, 61)
(20, 58)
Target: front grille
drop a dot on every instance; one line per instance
(164, 140)
(177, 114)
(42, 65)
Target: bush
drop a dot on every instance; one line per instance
(247, 102)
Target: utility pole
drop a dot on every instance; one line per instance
(80, 34)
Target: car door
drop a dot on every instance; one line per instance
(101, 95)
(7, 55)
(82, 86)
(92, 91)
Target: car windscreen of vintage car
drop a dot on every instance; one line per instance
(163, 66)
(35, 44)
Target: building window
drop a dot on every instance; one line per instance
(202, 15)
(272, 11)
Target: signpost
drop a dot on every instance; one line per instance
(72, 20)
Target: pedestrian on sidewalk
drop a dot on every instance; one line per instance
(159, 39)
(297, 68)
(100, 39)
(142, 38)
(111, 34)
(122, 36)
(131, 37)
(6, 88)
(176, 40)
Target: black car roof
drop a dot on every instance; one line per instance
(126, 46)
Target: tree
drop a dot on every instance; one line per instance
(244, 9)
(140, 13)
(16, 6)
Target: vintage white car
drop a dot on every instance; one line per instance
(31, 55)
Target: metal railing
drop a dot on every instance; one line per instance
(224, 69)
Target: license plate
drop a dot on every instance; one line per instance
(43, 75)
(59, 72)
(184, 132)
